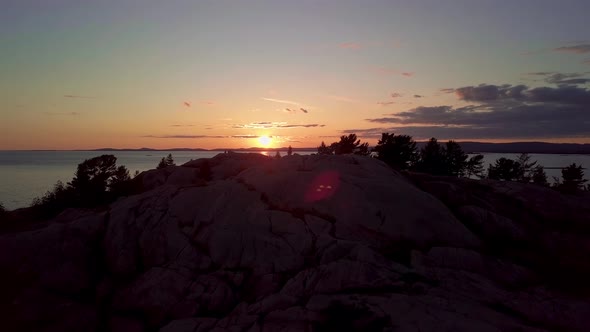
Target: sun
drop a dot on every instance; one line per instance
(264, 141)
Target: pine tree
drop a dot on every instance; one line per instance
(170, 160)
(398, 151)
(539, 177)
(323, 149)
(573, 178)
(290, 151)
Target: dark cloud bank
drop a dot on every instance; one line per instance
(500, 111)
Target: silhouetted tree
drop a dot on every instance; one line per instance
(97, 181)
(323, 149)
(2, 209)
(170, 160)
(289, 151)
(432, 159)
(538, 176)
(504, 169)
(350, 144)
(278, 155)
(573, 179)
(474, 166)
(167, 161)
(398, 151)
(527, 167)
(455, 159)
(55, 200)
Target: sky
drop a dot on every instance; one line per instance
(223, 74)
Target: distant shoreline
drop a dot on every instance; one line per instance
(469, 147)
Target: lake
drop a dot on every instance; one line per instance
(25, 175)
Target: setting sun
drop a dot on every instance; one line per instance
(264, 141)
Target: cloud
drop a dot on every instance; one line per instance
(184, 136)
(418, 96)
(563, 78)
(587, 62)
(503, 111)
(62, 113)
(385, 103)
(281, 101)
(408, 74)
(350, 46)
(395, 95)
(245, 136)
(187, 104)
(79, 97)
(577, 49)
(275, 125)
(290, 110)
(488, 92)
(447, 90)
(182, 125)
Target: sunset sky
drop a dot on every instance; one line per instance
(215, 74)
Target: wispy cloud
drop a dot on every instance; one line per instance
(186, 104)
(62, 113)
(396, 95)
(184, 136)
(408, 74)
(79, 97)
(245, 136)
(577, 49)
(303, 110)
(385, 103)
(281, 101)
(447, 90)
(274, 125)
(418, 96)
(182, 125)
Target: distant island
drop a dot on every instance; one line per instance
(469, 147)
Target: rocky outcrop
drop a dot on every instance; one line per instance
(316, 243)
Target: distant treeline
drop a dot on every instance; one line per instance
(450, 159)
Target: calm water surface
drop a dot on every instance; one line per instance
(25, 175)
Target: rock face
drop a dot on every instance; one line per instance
(317, 243)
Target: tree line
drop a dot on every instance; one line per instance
(448, 159)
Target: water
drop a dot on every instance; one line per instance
(25, 175)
